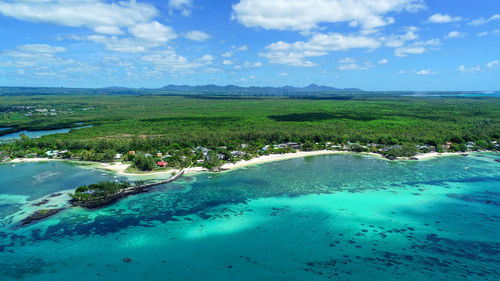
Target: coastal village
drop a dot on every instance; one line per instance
(213, 158)
(42, 110)
(177, 160)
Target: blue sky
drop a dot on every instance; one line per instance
(370, 44)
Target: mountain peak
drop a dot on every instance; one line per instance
(253, 89)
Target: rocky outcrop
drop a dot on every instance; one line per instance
(99, 202)
(218, 169)
(40, 215)
(41, 202)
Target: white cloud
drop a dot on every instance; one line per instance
(402, 72)
(41, 60)
(493, 64)
(347, 60)
(227, 62)
(115, 44)
(207, 58)
(304, 15)
(107, 19)
(197, 35)
(484, 33)
(41, 48)
(351, 64)
(416, 48)
(354, 66)
(169, 61)
(481, 21)
(473, 69)
(153, 32)
(116, 61)
(110, 30)
(296, 53)
(396, 41)
(213, 70)
(455, 34)
(227, 54)
(243, 48)
(404, 51)
(383, 61)
(252, 64)
(145, 35)
(425, 72)
(283, 74)
(98, 15)
(184, 6)
(443, 18)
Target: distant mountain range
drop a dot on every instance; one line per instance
(231, 89)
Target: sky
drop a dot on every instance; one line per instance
(389, 45)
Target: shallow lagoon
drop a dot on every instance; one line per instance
(328, 217)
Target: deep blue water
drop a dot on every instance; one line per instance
(334, 217)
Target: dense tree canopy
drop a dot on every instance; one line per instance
(176, 124)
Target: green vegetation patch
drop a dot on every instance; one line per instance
(177, 125)
(99, 191)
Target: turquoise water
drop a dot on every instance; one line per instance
(21, 185)
(37, 134)
(334, 217)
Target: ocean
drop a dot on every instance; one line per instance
(331, 217)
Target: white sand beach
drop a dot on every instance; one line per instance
(120, 168)
(278, 157)
(28, 160)
(431, 155)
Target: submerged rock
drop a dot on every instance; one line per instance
(55, 195)
(39, 215)
(40, 203)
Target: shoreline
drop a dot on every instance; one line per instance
(279, 157)
(120, 168)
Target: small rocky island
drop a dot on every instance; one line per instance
(104, 193)
(39, 215)
(97, 195)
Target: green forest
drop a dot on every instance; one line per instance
(177, 125)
